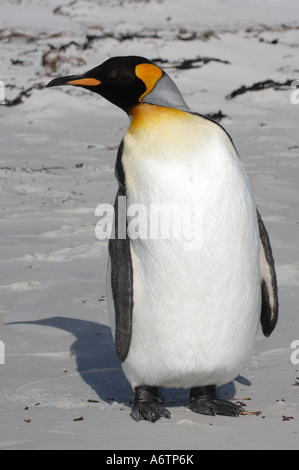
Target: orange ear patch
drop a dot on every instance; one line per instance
(149, 74)
(85, 82)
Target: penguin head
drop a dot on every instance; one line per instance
(127, 82)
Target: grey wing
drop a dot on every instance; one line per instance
(121, 268)
(269, 309)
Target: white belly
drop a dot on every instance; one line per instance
(196, 302)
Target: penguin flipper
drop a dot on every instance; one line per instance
(121, 285)
(269, 309)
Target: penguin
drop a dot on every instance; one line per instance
(185, 310)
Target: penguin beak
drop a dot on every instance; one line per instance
(77, 80)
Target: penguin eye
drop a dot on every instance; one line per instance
(113, 75)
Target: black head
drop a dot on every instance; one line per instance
(126, 82)
(121, 80)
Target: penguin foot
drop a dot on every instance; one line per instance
(148, 405)
(203, 400)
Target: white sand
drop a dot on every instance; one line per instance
(58, 348)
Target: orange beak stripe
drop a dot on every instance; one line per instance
(85, 82)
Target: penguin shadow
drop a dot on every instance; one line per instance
(98, 365)
(96, 360)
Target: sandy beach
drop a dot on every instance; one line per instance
(62, 386)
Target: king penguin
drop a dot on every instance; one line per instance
(183, 314)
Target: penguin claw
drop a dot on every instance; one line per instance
(215, 406)
(148, 405)
(149, 412)
(203, 400)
